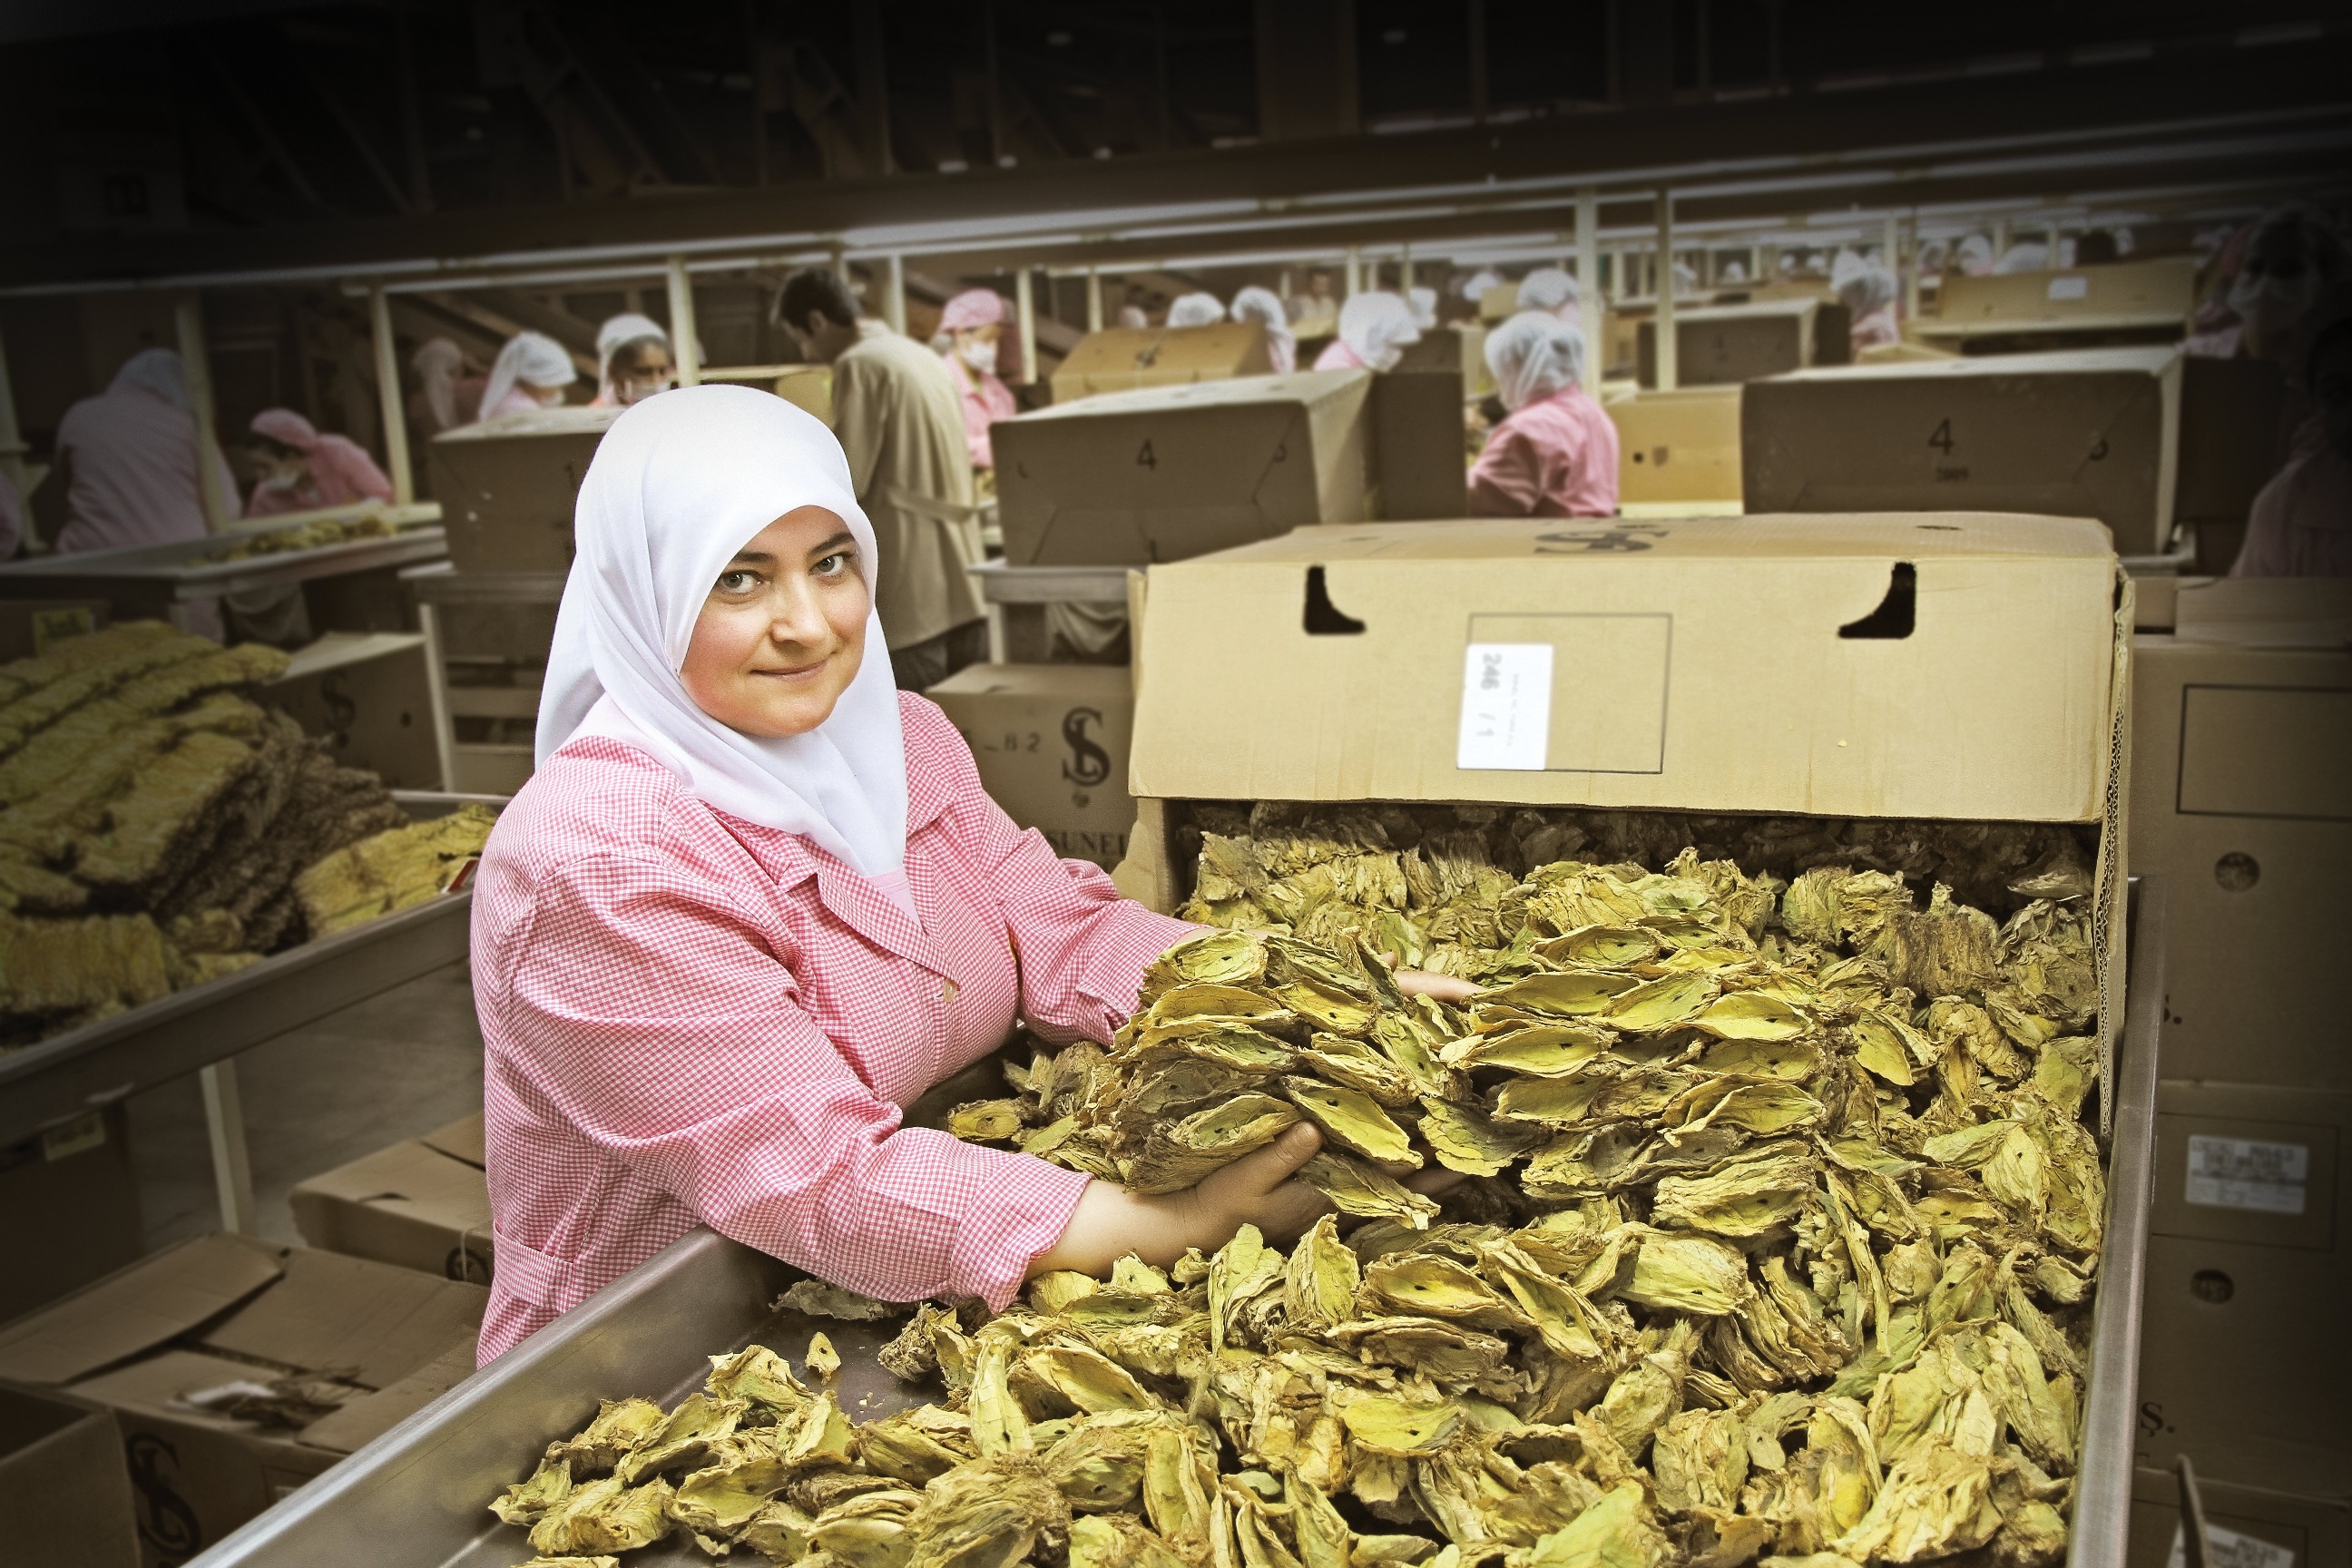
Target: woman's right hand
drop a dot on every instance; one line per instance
(1260, 1189)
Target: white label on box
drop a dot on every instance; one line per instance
(2231, 1549)
(2248, 1174)
(1506, 706)
(2070, 287)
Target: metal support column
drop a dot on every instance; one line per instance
(1025, 310)
(388, 395)
(685, 350)
(1094, 300)
(1668, 378)
(1404, 271)
(437, 686)
(894, 294)
(12, 450)
(225, 1125)
(1587, 284)
(1351, 282)
(188, 316)
(1911, 270)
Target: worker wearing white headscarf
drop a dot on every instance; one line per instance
(1423, 302)
(633, 361)
(1972, 257)
(447, 396)
(1556, 455)
(1264, 306)
(2032, 256)
(130, 460)
(1195, 310)
(1475, 286)
(1549, 288)
(754, 902)
(530, 373)
(1374, 329)
(1869, 291)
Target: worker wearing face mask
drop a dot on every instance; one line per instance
(973, 327)
(530, 374)
(634, 361)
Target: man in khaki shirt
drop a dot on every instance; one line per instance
(900, 421)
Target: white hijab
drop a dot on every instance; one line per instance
(678, 486)
(1376, 327)
(1533, 355)
(532, 357)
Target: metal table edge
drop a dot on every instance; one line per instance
(415, 1438)
(21, 1071)
(2100, 1531)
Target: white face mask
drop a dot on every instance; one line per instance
(979, 354)
(2271, 305)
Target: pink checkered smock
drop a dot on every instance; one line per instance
(692, 1020)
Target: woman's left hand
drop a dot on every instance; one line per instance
(1442, 987)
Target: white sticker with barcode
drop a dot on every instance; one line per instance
(2070, 287)
(2232, 1549)
(2248, 1174)
(1506, 706)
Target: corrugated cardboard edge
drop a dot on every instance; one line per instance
(2111, 879)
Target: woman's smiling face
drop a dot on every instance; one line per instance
(783, 632)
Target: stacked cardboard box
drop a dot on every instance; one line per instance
(72, 1202)
(1051, 740)
(236, 1371)
(422, 1204)
(2243, 804)
(1124, 359)
(369, 694)
(507, 487)
(1678, 448)
(2162, 291)
(2085, 433)
(65, 1492)
(1726, 344)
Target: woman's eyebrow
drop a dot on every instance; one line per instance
(755, 557)
(843, 537)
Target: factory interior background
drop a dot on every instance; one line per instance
(1732, 614)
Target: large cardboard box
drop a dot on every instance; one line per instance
(65, 1493)
(362, 1344)
(1420, 467)
(1461, 349)
(422, 1204)
(1051, 740)
(1681, 446)
(2244, 1362)
(2088, 433)
(2120, 291)
(1718, 345)
(507, 487)
(1122, 359)
(1131, 477)
(1966, 667)
(369, 696)
(2241, 739)
(71, 1199)
(2246, 1527)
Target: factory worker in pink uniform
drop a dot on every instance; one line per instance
(1869, 291)
(1196, 310)
(973, 327)
(633, 361)
(1551, 291)
(1374, 328)
(530, 373)
(1556, 454)
(755, 901)
(302, 469)
(129, 457)
(1264, 306)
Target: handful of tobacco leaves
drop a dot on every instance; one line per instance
(1776, 1241)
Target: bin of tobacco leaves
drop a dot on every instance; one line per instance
(1785, 853)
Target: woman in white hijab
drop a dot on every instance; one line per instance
(1264, 306)
(1195, 310)
(633, 361)
(530, 373)
(1374, 329)
(755, 901)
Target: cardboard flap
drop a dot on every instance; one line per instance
(574, 420)
(364, 1420)
(159, 1383)
(139, 1308)
(460, 1141)
(413, 1175)
(367, 1321)
(1939, 665)
(2313, 613)
(337, 650)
